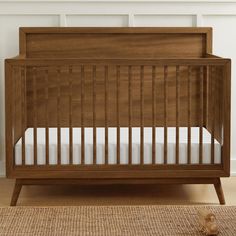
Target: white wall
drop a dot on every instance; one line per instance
(220, 14)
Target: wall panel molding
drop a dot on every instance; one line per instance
(131, 20)
(63, 22)
(164, 20)
(117, 7)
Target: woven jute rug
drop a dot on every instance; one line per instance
(111, 220)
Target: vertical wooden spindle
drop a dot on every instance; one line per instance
(82, 115)
(130, 112)
(213, 82)
(94, 118)
(220, 102)
(23, 111)
(106, 114)
(14, 99)
(153, 114)
(118, 113)
(14, 75)
(177, 116)
(70, 115)
(201, 115)
(58, 116)
(222, 76)
(35, 114)
(189, 115)
(165, 113)
(141, 117)
(46, 118)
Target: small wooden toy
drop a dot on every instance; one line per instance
(208, 222)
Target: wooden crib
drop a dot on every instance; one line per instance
(154, 101)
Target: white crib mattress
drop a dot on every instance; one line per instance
(124, 145)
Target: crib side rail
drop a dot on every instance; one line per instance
(21, 114)
(208, 60)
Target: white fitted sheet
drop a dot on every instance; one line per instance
(159, 159)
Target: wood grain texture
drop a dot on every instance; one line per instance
(23, 113)
(16, 193)
(35, 114)
(58, 113)
(226, 117)
(21, 182)
(118, 113)
(70, 114)
(141, 193)
(201, 114)
(106, 114)
(124, 102)
(94, 116)
(153, 114)
(219, 192)
(115, 42)
(189, 111)
(118, 77)
(9, 117)
(177, 116)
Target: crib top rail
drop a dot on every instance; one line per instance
(214, 60)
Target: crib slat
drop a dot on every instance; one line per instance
(189, 115)
(15, 75)
(46, 118)
(177, 116)
(14, 100)
(153, 114)
(201, 115)
(23, 108)
(58, 116)
(130, 113)
(220, 79)
(82, 115)
(141, 117)
(35, 114)
(212, 83)
(70, 116)
(106, 114)
(165, 113)
(118, 112)
(94, 118)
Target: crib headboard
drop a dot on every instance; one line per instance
(115, 42)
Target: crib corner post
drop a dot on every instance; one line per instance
(219, 191)
(16, 192)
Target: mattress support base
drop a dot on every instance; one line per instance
(20, 182)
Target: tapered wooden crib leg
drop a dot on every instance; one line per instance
(219, 192)
(16, 193)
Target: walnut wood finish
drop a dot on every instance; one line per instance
(16, 192)
(219, 191)
(117, 42)
(186, 101)
(118, 77)
(21, 182)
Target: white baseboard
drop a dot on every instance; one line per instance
(233, 167)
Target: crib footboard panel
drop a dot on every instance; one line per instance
(78, 118)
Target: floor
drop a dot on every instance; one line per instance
(118, 194)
